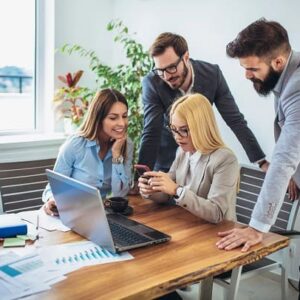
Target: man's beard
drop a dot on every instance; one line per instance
(264, 87)
(183, 77)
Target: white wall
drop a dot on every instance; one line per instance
(207, 25)
(82, 22)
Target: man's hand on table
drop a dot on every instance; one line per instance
(237, 237)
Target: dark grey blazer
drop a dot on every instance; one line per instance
(157, 145)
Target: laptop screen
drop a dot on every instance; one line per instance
(81, 208)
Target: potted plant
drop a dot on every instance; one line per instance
(71, 101)
(124, 77)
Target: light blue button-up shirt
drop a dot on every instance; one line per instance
(78, 158)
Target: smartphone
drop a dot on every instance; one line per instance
(141, 169)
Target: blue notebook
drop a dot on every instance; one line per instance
(11, 225)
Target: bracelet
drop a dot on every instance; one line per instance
(118, 160)
(262, 162)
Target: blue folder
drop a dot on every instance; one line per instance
(11, 226)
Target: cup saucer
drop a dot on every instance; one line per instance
(127, 212)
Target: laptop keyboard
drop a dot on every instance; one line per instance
(124, 236)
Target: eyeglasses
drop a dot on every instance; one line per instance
(171, 69)
(183, 132)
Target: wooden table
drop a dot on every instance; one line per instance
(190, 256)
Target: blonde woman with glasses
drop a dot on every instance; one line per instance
(204, 176)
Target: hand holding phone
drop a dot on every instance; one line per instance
(141, 169)
(144, 187)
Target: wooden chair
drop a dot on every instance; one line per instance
(22, 185)
(250, 186)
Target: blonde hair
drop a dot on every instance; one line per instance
(197, 112)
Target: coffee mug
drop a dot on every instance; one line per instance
(117, 204)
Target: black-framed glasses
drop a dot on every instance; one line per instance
(183, 132)
(171, 69)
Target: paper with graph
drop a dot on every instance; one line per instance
(72, 256)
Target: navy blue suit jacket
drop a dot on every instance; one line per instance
(158, 146)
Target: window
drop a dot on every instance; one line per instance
(26, 66)
(17, 65)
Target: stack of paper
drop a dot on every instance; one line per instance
(47, 222)
(22, 276)
(18, 276)
(72, 256)
(38, 271)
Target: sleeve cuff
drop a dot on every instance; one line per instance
(263, 227)
(259, 161)
(47, 194)
(119, 169)
(177, 200)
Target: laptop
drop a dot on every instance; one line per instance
(81, 208)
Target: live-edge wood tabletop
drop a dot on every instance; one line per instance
(190, 256)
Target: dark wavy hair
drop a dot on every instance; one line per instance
(262, 38)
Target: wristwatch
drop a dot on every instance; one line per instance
(178, 192)
(118, 160)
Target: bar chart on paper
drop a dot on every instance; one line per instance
(92, 253)
(21, 266)
(76, 255)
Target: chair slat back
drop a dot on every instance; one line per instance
(250, 186)
(22, 184)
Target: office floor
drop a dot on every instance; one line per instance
(258, 288)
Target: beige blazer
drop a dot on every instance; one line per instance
(212, 192)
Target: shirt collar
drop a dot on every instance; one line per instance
(194, 157)
(278, 87)
(91, 143)
(189, 90)
(94, 143)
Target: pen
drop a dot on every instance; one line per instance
(37, 226)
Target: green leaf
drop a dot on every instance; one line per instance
(110, 26)
(124, 77)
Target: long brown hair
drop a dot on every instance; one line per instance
(97, 112)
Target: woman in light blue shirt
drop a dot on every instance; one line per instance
(100, 154)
